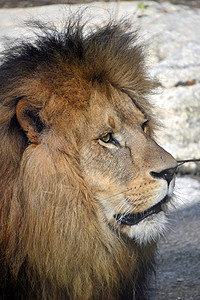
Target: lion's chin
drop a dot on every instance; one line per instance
(146, 226)
(149, 229)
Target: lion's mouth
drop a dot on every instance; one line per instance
(133, 219)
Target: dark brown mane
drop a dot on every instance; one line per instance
(102, 55)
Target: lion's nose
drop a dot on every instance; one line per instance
(167, 174)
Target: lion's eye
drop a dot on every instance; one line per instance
(106, 138)
(109, 139)
(145, 126)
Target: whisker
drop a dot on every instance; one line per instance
(121, 205)
(125, 202)
(136, 206)
(118, 194)
(132, 207)
(181, 162)
(128, 208)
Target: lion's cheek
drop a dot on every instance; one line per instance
(107, 171)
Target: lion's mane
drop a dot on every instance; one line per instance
(54, 241)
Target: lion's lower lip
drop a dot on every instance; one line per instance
(133, 219)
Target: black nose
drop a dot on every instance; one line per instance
(167, 174)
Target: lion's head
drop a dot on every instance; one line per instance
(84, 185)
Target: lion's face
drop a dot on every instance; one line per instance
(130, 175)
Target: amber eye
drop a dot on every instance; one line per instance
(106, 138)
(145, 126)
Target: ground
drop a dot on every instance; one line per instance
(178, 261)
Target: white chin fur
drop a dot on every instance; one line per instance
(148, 229)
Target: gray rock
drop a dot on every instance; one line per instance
(172, 35)
(174, 39)
(180, 112)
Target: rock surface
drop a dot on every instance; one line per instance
(172, 35)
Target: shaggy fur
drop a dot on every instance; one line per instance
(54, 240)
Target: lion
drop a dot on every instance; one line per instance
(84, 186)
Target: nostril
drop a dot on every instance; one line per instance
(167, 174)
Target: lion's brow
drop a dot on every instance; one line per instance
(137, 104)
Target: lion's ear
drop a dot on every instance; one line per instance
(29, 119)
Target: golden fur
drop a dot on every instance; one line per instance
(61, 180)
